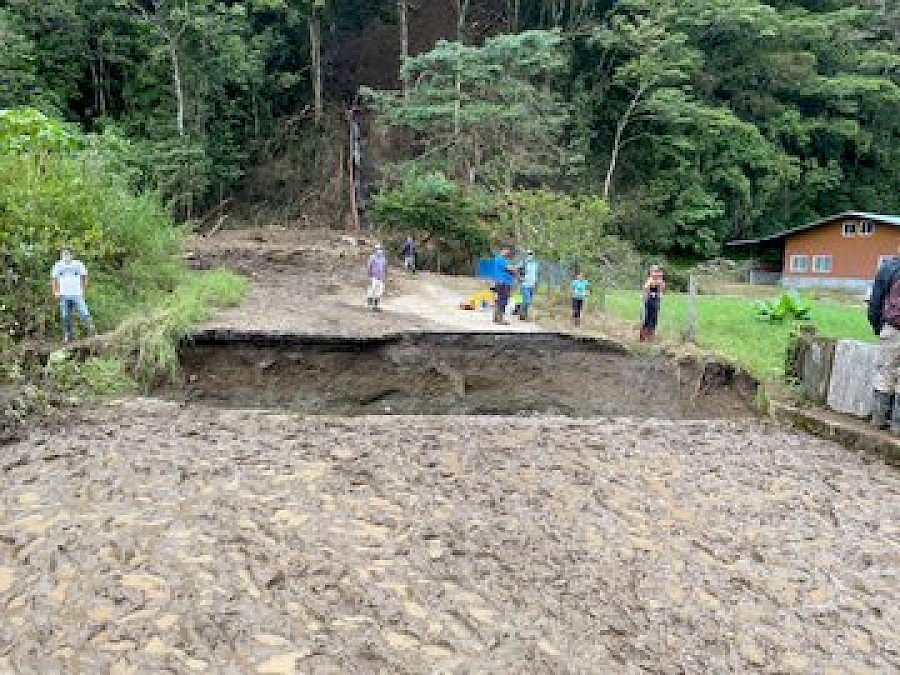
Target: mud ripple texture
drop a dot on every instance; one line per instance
(156, 538)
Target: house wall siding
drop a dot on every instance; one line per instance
(852, 257)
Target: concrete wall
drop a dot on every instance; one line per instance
(838, 373)
(850, 388)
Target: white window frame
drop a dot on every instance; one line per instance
(866, 228)
(823, 256)
(849, 228)
(795, 257)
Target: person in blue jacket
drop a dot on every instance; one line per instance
(504, 274)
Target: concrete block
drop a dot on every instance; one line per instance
(850, 390)
(815, 363)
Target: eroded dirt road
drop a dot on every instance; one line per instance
(148, 536)
(158, 538)
(315, 283)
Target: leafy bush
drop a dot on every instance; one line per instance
(148, 340)
(57, 189)
(437, 209)
(556, 226)
(789, 306)
(94, 377)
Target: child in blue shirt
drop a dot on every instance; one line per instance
(580, 290)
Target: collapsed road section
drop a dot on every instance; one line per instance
(456, 373)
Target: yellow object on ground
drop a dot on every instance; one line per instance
(485, 297)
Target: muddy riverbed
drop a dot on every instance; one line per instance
(156, 537)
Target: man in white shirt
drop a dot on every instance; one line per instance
(70, 280)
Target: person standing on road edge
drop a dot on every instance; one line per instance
(409, 255)
(69, 281)
(652, 292)
(504, 277)
(530, 270)
(581, 287)
(884, 317)
(377, 269)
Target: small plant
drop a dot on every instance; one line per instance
(94, 377)
(789, 306)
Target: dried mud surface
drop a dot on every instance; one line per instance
(151, 537)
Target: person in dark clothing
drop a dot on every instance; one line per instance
(505, 276)
(409, 255)
(654, 287)
(884, 317)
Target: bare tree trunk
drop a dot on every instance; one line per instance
(617, 140)
(315, 47)
(462, 10)
(172, 43)
(403, 6)
(179, 90)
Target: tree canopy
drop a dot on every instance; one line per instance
(696, 120)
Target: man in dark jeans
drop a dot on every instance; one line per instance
(503, 282)
(883, 310)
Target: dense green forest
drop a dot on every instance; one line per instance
(697, 121)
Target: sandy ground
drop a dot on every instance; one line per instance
(317, 285)
(150, 536)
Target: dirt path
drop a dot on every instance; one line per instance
(315, 283)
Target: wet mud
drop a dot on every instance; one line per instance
(156, 537)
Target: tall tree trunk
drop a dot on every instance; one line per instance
(622, 125)
(513, 12)
(462, 9)
(315, 47)
(403, 6)
(179, 89)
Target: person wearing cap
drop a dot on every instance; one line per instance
(69, 283)
(377, 269)
(530, 268)
(654, 287)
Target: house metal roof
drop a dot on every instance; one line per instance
(860, 215)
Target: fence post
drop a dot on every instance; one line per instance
(693, 313)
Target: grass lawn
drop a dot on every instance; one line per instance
(728, 326)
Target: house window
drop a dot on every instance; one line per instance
(866, 228)
(822, 264)
(799, 263)
(883, 259)
(850, 228)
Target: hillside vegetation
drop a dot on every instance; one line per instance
(697, 121)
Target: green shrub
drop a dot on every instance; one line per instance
(148, 340)
(95, 377)
(789, 306)
(436, 209)
(557, 226)
(57, 189)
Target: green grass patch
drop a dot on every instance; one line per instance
(93, 378)
(728, 326)
(148, 339)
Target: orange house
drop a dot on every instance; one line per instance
(842, 251)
